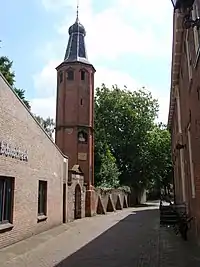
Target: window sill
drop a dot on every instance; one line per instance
(6, 227)
(41, 218)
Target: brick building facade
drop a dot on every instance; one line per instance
(75, 110)
(32, 172)
(184, 114)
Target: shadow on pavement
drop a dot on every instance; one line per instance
(131, 242)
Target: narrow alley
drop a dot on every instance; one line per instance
(128, 238)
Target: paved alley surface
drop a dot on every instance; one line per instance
(129, 238)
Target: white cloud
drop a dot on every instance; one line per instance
(45, 81)
(126, 27)
(111, 77)
(44, 107)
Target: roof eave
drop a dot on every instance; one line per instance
(65, 63)
(176, 60)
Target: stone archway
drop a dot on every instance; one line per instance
(77, 203)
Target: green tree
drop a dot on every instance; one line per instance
(124, 120)
(48, 124)
(21, 94)
(106, 170)
(160, 161)
(6, 70)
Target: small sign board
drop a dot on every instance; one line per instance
(82, 156)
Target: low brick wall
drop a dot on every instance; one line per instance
(103, 200)
(110, 200)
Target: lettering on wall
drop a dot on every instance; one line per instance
(8, 151)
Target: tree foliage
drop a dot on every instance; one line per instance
(160, 163)
(6, 70)
(124, 124)
(48, 124)
(21, 94)
(106, 170)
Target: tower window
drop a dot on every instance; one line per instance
(70, 75)
(61, 77)
(81, 101)
(82, 137)
(82, 75)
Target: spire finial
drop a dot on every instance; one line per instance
(77, 10)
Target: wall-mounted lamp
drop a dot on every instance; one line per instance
(185, 6)
(180, 146)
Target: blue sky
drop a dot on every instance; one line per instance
(128, 42)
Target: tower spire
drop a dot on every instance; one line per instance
(76, 49)
(77, 11)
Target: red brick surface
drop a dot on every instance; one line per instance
(190, 113)
(71, 115)
(45, 162)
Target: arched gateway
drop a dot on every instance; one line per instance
(77, 204)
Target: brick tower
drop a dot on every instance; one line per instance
(75, 109)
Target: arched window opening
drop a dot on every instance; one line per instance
(70, 75)
(82, 75)
(82, 137)
(61, 77)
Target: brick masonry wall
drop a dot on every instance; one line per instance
(190, 109)
(111, 200)
(80, 95)
(113, 194)
(45, 162)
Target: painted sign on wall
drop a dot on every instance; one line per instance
(8, 151)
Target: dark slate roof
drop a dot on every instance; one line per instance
(76, 50)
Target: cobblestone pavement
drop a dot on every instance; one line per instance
(173, 251)
(129, 238)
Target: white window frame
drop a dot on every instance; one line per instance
(191, 162)
(195, 15)
(188, 55)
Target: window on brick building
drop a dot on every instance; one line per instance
(196, 30)
(42, 198)
(191, 162)
(70, 75)
(188, 55)
(6, 199)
